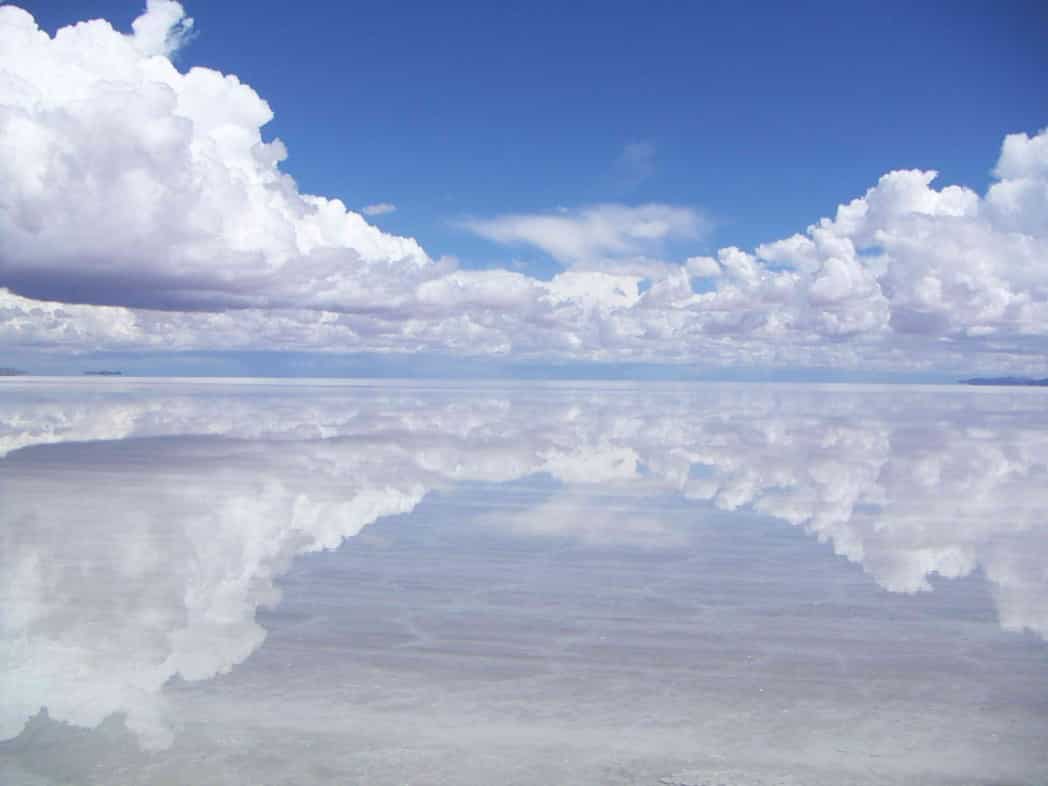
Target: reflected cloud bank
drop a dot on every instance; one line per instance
(144, 527)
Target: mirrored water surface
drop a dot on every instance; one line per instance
(403, 583)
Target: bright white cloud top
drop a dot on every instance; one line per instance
(141, 208)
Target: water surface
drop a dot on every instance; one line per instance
(403, 583)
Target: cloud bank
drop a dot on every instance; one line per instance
(141, 208)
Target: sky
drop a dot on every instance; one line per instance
(727, 190)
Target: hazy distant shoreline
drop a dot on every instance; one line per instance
(1006, 381)
(974, 381)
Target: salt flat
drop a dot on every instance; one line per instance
(389, 583)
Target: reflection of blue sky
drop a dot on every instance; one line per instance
(144, 529)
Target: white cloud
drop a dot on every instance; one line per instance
(129, 184)
(702, 267)
(163, 29)
(596, 235)
(379, 209)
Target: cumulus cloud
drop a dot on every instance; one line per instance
(127, 182)
(379, 209)
(163, 29)
(147, 198)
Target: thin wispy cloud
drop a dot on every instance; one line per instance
(379, 209)
(595, 234)
(634, 165)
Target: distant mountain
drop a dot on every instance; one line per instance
(12, 372)
(1012, 381)
(103, 373)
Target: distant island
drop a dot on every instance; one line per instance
(1012, 381)
(103, 373)
(12, 372)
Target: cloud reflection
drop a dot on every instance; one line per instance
(143, 528)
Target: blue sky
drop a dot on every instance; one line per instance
(765, 116)
(761, 118)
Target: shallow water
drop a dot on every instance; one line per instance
(403, 583)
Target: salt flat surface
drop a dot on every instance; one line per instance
(392, 583)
